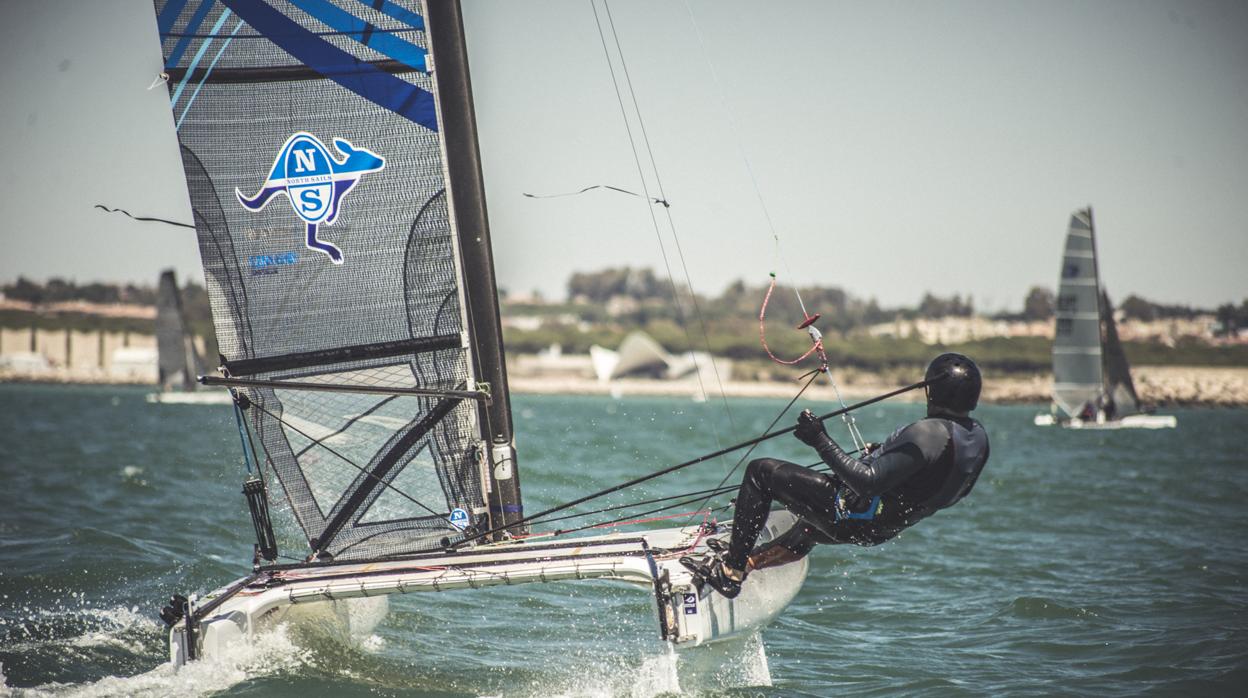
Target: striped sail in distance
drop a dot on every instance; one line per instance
(1077, 376)
(312, 142)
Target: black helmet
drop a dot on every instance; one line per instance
(959, 389)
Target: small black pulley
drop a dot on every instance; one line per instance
(258, 504)
(175, 610)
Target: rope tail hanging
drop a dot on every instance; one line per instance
(817, 346)
(145, 219)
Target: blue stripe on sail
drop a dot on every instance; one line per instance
(396, 12)
(169, 15)
(385, 42)
(197, 19)
(208, 72)
(367, 81)
(199, 56)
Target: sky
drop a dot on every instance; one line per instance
(893, 148)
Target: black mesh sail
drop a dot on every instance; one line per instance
(1119, 387)
(178, 361)
(310, 136)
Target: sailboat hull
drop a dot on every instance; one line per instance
(1135, 421)
(199, 397)
(648, 560)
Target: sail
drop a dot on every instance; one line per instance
(326, 196)
(1118, 384)
(1077, 377)
(178, 362)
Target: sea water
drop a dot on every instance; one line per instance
(1108, 563)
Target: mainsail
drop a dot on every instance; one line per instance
(338, 202)
(178, 362)
(1077, 374)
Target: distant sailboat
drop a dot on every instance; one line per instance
(178, 362)
(1092, 386)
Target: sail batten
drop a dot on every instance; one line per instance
(325, 208)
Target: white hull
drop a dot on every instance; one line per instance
(648, 560)
(1135, 421)
(199, 397)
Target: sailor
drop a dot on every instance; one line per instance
(922, 468)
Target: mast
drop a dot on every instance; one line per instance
(463, 158)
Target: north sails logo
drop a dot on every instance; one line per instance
(315, 182)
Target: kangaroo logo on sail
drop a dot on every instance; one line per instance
(315, 182)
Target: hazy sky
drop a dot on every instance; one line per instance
(899, 147)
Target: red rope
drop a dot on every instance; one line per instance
(762, 332)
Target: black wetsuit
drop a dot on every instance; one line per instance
(920, 469)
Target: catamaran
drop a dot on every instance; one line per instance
(1092, 386)
(331, 158)
(177, 359)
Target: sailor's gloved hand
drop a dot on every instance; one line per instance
(810, 430)
(869, 447)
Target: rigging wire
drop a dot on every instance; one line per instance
(671, 223)
(348, 461)
(700, 459)
(631, 518)
(815, 335)
(692, 497)
(813, 375)
(591, 188)
(666, 498)
(641, 176)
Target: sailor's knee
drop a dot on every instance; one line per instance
(761, 471)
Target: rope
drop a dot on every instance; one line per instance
(242, 440)
(348, 461)
(616, 507)
(816, 338)
(817, 346)
(700, 459)
(145, 219)
(671, 224)
(744, 456)
(650, 519)
(680, 311)
(701, 508)
(624, 520)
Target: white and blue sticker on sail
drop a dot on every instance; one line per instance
(458, 518)
(315, 183)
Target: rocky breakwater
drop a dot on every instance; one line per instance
(1192, 385)
(1156, 385)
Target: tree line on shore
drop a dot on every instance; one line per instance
(607, 304)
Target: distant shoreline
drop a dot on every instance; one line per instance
(1158, 385)
(1163, 386)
